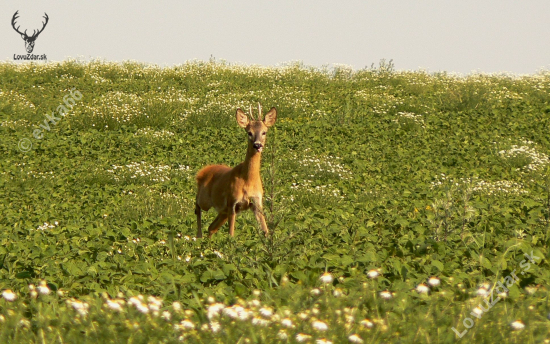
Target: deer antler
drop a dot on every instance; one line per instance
(259, 111)
(34, 35)
(13, 19)
(250, 113)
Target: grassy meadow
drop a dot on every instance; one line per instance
(405, 206)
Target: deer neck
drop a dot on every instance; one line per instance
(252, 163)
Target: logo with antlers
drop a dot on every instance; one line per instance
(29, 40)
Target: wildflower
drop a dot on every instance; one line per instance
(355, 339)
(517, 325)
(266, 312)
(302, 337)
(154, 303)
(282, 335)
(483, 292)
(43, 288)
(2, 319)
(386, 295)
(24, 323)
(302, 315)
(286, 322)
(242, 313)
(260, 321)
(337, 292)
(422, 288)
(323, 341)
(134, 301)
(9, 295)
(315, 292)
(477, 311)
(319, 325)
(230, 312)
(142, 308)
(434, 281)
(166, 315)
(215, 326)
(113, 305)
(326, 278)
(531, 289)
(256, 292)
(79, 306)
(366, 323)
(187, 324)
(214, 310)
(176, 306)
(373, 273)
(284, 280)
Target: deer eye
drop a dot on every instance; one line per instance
(263, 133)
(249, 133)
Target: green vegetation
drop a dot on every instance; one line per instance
(375, 181)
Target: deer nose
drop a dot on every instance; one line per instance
(257, 145)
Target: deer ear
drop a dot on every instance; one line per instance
(242, 118)
(270, 117)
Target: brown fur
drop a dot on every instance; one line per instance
(232, 190)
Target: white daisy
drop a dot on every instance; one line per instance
(434, 281)
(326, 278)
(517, 325)
(422, 288)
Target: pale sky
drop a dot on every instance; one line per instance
(434, 35)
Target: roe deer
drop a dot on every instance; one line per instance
(232, 190)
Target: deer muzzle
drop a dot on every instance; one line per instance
(258, 146)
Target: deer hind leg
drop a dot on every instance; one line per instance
(258, 213)
(199, 222)
(216, 224)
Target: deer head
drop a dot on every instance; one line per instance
(256, 128)
(29, 40)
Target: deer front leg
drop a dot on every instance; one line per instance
(232, 217)
(257, 208)
(199, 223)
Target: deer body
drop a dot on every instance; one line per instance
(232, 190)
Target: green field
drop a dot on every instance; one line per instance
(375, 180)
